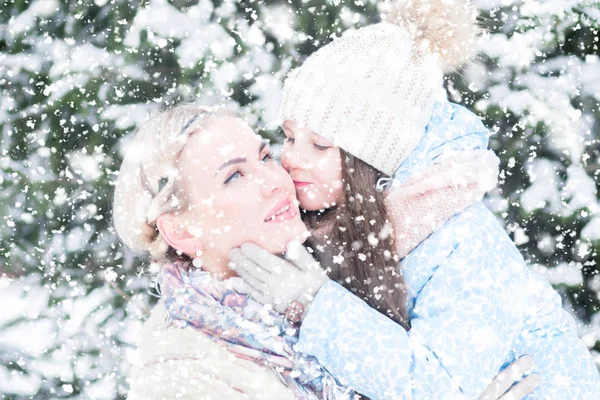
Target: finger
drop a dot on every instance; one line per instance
(300, 256)
(266, 260)
(523, 388)
(504, 380)
(248, 270)
(293, 250)
(281, 307)
(244, 263)
(239, 285)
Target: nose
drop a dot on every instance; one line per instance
(271, 179)
(268, 188)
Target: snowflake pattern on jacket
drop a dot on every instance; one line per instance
(474, 307)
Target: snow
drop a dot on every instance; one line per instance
(73, 89)
(279, 21)
(543, 192)
(592, 230)
(162, 20)
(89, 166)
(14, 63)
(19, 384)
(26, 300)
(25, 20)
(580, 191)
(128, 115)
(80, 58)
(264, 88)
(197, 45)
(562, 274)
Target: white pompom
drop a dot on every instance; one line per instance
(447, 28)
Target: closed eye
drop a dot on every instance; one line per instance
(321, 148)
(268, 157)
(289, 140)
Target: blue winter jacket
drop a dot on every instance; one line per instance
(474, 307)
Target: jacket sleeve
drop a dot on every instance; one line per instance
(461, 332)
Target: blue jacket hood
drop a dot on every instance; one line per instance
(451, 128)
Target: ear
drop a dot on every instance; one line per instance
(176, 235)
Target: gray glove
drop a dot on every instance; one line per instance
(502, 387)
(270, 279)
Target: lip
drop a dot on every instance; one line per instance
(301, 184)
(289, 214)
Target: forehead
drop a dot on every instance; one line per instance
(300, 131)
(220, 138)
(296, 128)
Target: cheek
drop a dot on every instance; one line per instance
(334, 186)
(329, 169)
(331, 179)
(228, 222)
(337, 193)
(233, 208)
(284, 158)
(326, 161)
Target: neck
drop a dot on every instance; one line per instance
(216, 265)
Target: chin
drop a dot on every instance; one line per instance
(312, 205)
(306, 203)
(295, 231)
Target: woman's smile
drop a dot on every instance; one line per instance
(283, 210)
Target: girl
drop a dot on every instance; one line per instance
(183, 193)
(370, 105)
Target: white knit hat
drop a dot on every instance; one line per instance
(371, 91)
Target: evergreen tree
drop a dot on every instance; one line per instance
(537, 87)
(77, 77)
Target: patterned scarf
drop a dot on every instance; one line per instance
(195, 298)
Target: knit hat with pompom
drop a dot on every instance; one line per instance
(371, 91)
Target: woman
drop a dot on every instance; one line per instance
(473, 305)
(183, 194)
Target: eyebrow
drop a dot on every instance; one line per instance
(239, 160)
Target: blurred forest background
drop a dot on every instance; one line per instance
(76, 77)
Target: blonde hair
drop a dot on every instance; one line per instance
(147, 185)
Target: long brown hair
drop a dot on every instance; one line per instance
(356, 241)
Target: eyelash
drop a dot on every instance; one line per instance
(230, 178)
(318, 147)
(266, 158)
